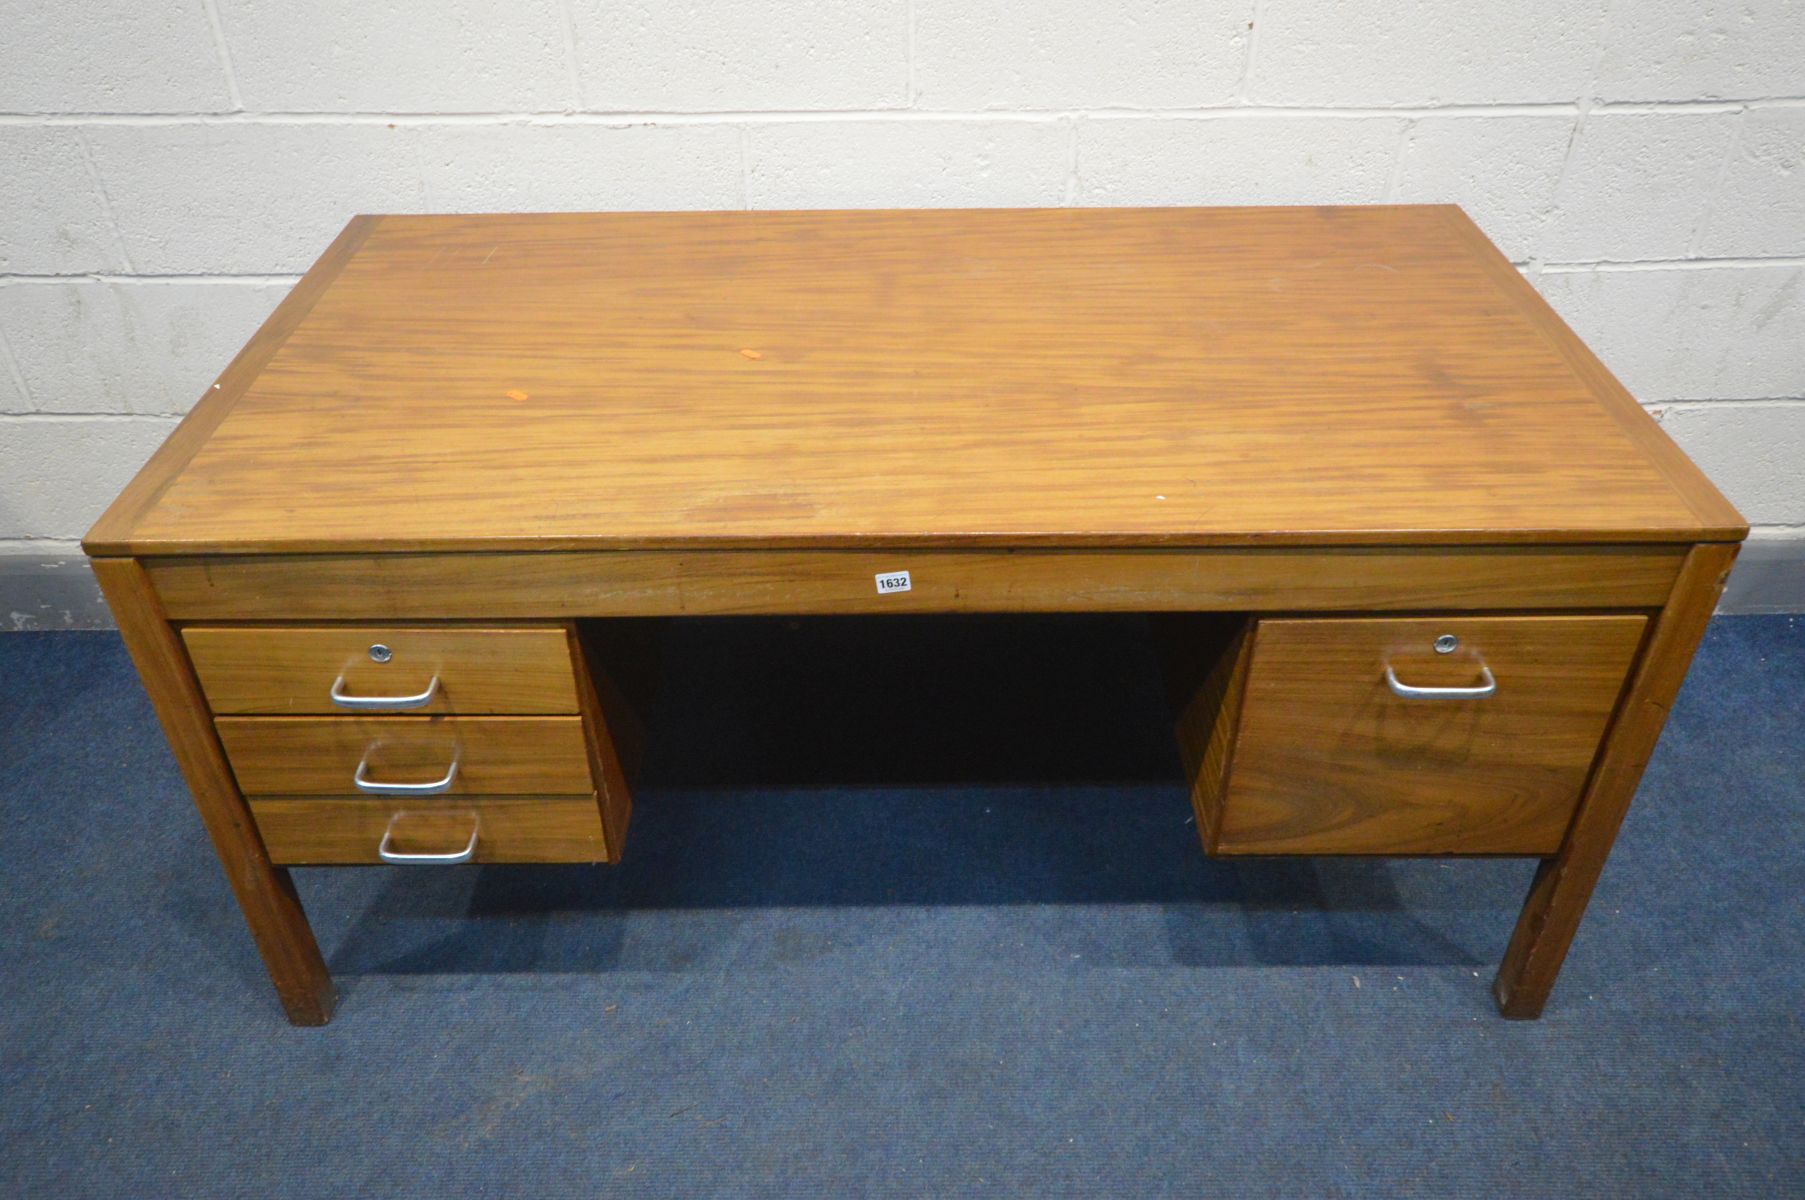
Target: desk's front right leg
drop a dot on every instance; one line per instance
(265, 893)
(1563, 884)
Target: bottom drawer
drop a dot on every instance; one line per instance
(303, 830)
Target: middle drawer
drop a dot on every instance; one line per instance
(403, 756)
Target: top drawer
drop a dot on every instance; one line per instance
(384, 669)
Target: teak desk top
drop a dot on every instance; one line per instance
(1086, 377)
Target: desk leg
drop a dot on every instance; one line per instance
(1563, 884)
(265, 893)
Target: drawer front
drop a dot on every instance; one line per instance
(1329, 758)
(446, 669)
(320, 756)
(299, 830)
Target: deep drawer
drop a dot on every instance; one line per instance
(299, 830)
(409, 756)
(355, 668)
(1359, 736)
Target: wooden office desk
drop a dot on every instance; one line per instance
(1428, 577)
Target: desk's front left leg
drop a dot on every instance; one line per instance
(1563, 884)
(265, 893)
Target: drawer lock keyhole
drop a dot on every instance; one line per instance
(381, 653)
(1447, 643)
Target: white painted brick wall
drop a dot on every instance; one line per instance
(1503, 169)
(1761, 204)
(86, 346)
(1691, 333)
(166, 170)
(1235, 160)
(449, 56)
(896, 164)
(1763, 443)
(1425, 52)
(731, 56)
(548, 168)
(1635, 184)
(53, 218)
(109, 56)
(1062, 54)
(1703, 50)
(237, 199)
(61, 471)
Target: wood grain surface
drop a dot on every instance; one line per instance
(1085, 377)
(1205, 660)
(265, 892)
(251, 669)
(1563, 884)
(654, 583)
(613, 732)
(519, 829)
(274, 756)
(114, 528)
(1326, 760)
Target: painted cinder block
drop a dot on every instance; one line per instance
(110, 56)
(61, 472)
(53, 220)
(1036, 54)
(1759, 208)
(524, 167)
(12, 392)
(455, 56)
(1691, 333)
(1423, 52)
(1236, 160)
(779, 55)
(1637, 185)
(1753, 452)
(247, 198)
(1502, 170)
(906, 164)
(1702, 50)
(88, 346)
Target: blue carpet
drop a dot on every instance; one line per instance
(913, 916)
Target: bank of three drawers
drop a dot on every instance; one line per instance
(419, 744)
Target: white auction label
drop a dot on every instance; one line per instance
(892, 581)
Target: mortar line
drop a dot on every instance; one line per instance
(909, 56)
(1071, 163)
(1709, 208)
(570, 56)
(45, 415)
(1254, 21)
(1672, 264)
(29, 542)
(225, 56)
(16, 373)
(691, 116)
(1698, 404)
(209, 277)
(743, 140)
(106, 201)
(1397, 160)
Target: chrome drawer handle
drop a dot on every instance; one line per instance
(1442, 693)
(417, 701)
(373, 787)
(444, 860)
